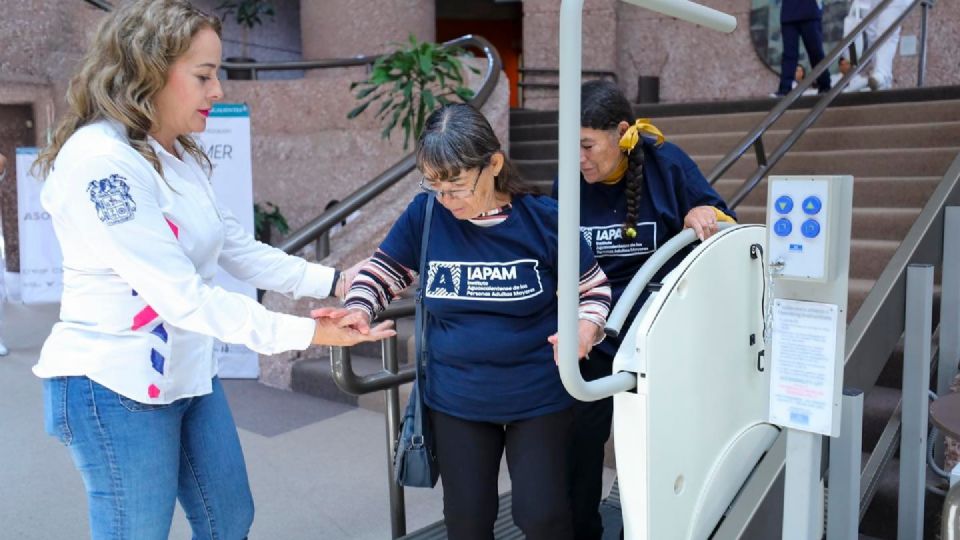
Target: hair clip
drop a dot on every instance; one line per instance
(631, 232)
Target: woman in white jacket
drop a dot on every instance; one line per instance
(129, 374)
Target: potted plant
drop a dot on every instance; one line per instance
(247, 14)
(267, 217)
(409, 84)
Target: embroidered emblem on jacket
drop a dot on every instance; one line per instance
(112, 198)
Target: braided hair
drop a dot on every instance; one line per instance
(603, 106)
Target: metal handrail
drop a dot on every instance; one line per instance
(351, 383)
(325, 221)
(101, 4)
(754, 138)
(556, 72)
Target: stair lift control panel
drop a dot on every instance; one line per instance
(808, 260)
(808, 247)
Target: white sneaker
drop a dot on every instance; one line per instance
(3, 349)
(876, 84)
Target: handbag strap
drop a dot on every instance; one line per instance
(421, 323)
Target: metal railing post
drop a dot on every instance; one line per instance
(916, 384)
(922, 61)
(398, 511)
(843, 488)
(949, 311)
(323, 245)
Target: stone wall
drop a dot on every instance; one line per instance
(41, 42)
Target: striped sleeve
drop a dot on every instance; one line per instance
(379, 282)
(594, 296)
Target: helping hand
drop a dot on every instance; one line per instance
(356, 319)
(334, 328)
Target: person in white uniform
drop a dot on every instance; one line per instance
(130, 380)
(881, 74)
(3, 289)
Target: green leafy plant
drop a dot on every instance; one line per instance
(247, 13)
(409, 84)
(267, 216)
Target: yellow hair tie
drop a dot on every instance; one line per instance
(632, 135)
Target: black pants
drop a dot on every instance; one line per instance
(812, 35)
(469, 457)
(591, 429)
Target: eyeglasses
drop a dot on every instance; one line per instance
(461, 193)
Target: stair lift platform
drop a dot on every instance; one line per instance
(691, 433)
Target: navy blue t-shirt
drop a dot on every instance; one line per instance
(491, 296)
(673, 184)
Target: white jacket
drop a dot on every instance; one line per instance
(139, 311)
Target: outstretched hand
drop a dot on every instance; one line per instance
(350, 325)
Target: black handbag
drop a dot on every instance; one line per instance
(414, 458)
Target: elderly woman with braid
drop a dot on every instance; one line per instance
(636, 192)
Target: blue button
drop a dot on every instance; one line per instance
(810, 228)
(812, 205)
(784, 204)
(783, 227)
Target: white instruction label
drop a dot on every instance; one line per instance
(803, 364)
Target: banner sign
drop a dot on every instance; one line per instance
(41, 263)
(227, 143)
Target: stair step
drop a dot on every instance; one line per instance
(878, 405)
(829, 138)
(880, 521)
(543, 125)
(863, 162)
(876, 191)
(868, 223)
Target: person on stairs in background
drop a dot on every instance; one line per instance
(129, 373)
(3, 289)
(881, 73)
(801, 19)
(857, 82)
(637, 191)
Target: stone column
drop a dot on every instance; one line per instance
(541, 28)
(344, 28)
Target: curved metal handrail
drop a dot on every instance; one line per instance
(325, 221)
(754, 138)
(342, 366)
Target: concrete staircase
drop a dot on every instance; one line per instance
(896, 145)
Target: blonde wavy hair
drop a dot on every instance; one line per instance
(124, 68)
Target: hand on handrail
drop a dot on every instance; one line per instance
(339, 327)
(588, 335)
(703, 221)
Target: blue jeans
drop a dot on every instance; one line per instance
(137, 460)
